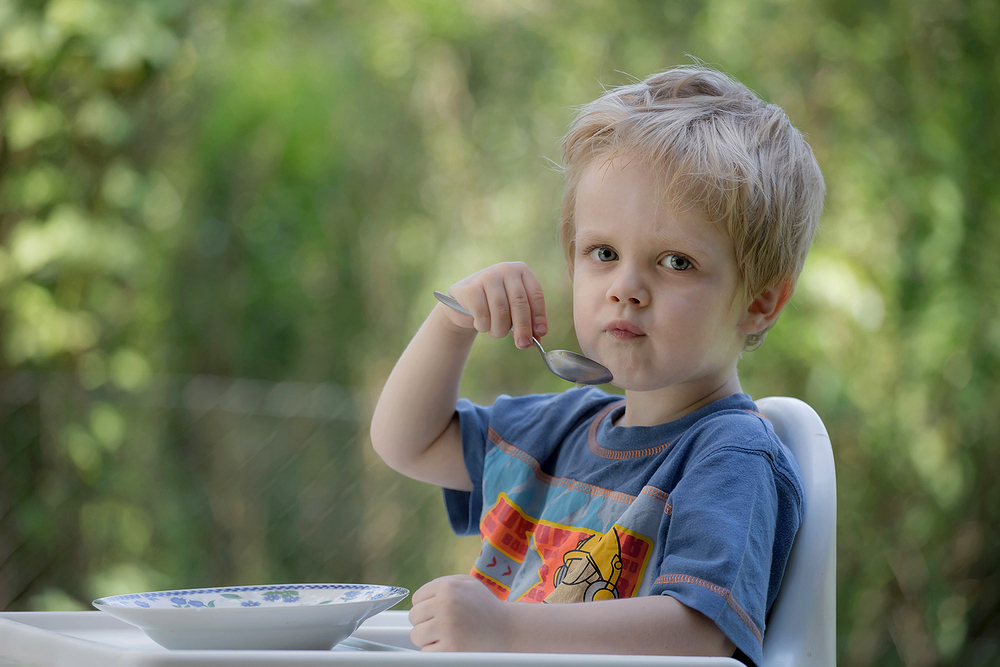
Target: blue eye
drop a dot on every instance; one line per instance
(677, 262)
(603, 254)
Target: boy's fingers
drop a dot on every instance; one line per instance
(476, 303)
(539, 321)
(419, 614)
(520, 310)
(502, 298)
(496, 296)
(421, 634)
(422, 594)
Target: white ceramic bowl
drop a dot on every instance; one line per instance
(292, 616)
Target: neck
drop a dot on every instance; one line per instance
(660, 406)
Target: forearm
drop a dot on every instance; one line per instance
(417, 404)
(414, 427)
(458, 613)
(653, 625)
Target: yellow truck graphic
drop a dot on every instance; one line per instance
(590, 571)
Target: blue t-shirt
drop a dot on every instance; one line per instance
(571, 507)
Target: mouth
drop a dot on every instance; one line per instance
(624, 330)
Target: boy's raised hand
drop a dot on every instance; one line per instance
(502, 298)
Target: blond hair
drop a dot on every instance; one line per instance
(717, 146)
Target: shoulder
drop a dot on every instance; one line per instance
(545, 420)
(736, 431)
(561, 410)
(732, 423)
(534, 423)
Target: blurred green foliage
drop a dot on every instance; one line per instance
(191, 192)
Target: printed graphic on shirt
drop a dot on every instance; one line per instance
(581, 563)
(589, 572)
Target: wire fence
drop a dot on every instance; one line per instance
(201, 481)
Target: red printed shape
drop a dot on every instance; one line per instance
(635, 555)
(507, 528)
(495, 586)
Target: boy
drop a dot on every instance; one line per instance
(688, 210)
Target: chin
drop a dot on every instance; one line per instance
(630, 378)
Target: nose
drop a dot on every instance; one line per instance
(629, 288)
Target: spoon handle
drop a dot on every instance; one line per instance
(451, 302)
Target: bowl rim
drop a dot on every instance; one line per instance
(109, 602)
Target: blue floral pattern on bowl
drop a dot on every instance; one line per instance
(253, 596)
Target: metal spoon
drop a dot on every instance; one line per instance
(563, 363)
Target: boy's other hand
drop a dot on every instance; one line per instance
(502, 297)
(458, 613)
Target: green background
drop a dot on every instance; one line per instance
(221, 222)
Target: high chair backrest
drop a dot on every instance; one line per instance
(801, 630)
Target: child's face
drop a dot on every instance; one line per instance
(654, 287)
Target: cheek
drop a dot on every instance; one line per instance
(580, 298)
(586, 297)
(584, 324)
(698, 320)
(581, 322)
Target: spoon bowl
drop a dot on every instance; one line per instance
(563, 363)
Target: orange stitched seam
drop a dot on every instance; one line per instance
(618, 455)
(546, 478)
(614, 454)
(659, 494)
(718, 590)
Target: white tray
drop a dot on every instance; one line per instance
(96, 639)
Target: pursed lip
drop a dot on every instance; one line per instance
(624, 330)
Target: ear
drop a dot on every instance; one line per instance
(764, 310)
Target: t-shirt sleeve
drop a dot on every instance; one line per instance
(723, 516)
(465, 507)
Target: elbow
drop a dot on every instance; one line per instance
(383, 445)
(379, 443)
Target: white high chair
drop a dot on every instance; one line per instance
(801, 630)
